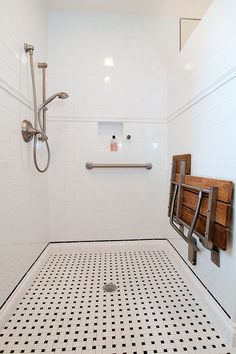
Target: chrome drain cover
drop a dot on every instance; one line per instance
(109, 288)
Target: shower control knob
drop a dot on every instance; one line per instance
(28, 131)
(128, 137)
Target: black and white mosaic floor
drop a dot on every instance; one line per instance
(152, 310)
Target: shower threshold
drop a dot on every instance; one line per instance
(154, 303)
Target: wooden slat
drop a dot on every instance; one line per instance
(222, 209)
(179, 158)
(225, 188)
(220, 233)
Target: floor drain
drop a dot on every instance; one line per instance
(109, 288)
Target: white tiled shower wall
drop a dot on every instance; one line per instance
(23, 193)
(137, 86)
(110, 204)
(106, 204)
(202, 110)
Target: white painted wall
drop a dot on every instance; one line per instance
(202, 111)
(23, 192)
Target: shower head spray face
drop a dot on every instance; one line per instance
(63, 95)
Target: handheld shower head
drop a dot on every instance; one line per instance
(61, 95)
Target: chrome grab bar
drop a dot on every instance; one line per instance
(90, 165)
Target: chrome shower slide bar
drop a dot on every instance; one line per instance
(90, 165)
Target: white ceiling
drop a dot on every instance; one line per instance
(138, 7)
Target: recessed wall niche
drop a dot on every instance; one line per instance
(105, 132)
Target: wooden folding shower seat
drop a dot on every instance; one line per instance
(202, 206)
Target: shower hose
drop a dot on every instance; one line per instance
(37, 121)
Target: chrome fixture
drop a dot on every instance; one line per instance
(43, 107)
(27, 129)
(28, 48)
(43, 67)
(61, 95)
(90, 165)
